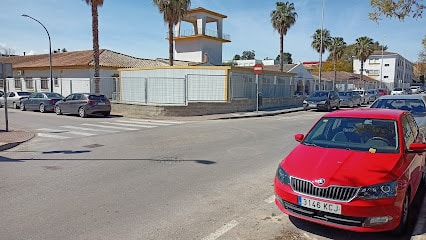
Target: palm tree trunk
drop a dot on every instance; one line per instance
(95, 45)
(281, 52)
(335, 73)
(171, 44)
(362, 71)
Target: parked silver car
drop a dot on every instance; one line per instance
(349, 99)
(14, 98)
(41, 101)
(84, 104)
(365, 99)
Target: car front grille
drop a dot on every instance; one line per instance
(335, 193)
(323, 216)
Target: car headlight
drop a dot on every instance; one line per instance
(384, 190)
(282, 175)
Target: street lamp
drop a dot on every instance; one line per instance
(50, 49)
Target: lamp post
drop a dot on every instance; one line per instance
(50, 49)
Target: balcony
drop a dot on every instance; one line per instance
(210, 33)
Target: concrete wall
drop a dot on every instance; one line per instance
(199, 109)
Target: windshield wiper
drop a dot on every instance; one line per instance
(310, 144)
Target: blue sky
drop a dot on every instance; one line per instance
(136, 28)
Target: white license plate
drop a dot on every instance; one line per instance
(319, 205)
(101, 103)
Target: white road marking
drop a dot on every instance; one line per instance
(51, 136)
(129, 125)
(270, 199)
(156, 121)
(225, 228)
(66, 131)
(112, 127)
(90, 129)
(145, 123)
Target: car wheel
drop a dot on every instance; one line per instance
(82, 112)
(106, 114)
(351, 104)
(404, 216)
(15, 105)
(58, 110)
(42, 108)
(338, 106)
(328, 108)
(22, 107)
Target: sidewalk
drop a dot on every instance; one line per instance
(13, 138)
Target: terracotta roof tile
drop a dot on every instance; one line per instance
(107, 58)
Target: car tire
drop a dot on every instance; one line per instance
(42, 108)
(15, 105)
(106, 114)
(22, 107)
(351, 104)
(58, 110)
(82, 112)
(328, 108)
(402, 227)
(338, 106)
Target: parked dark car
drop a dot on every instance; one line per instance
(322, 100)
(349, 99)
(84, 104)
(40, 101)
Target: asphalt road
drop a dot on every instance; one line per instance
(174, 180)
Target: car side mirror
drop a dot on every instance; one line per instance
(417, 147)
(299, 137)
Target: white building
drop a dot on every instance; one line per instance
(391, 69)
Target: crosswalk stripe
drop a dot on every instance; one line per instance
(66, 131)
(155, 121)
(129, 125)
(145, 122)
(52, 136)
(90, 129)
(112, 127)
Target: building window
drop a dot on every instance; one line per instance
(18, 83)
(44, 83)
(386, 64)
(385, 76)
(56, 82)
(29, 83)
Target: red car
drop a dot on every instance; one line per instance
(355, 169)
(382, 91)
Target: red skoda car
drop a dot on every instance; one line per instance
(356, 169)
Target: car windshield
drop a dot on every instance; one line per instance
(398, 89)
(359, 134)
(415, 106)
(320, 94)
(97, 98)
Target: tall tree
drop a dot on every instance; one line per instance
(173, 12)
(248, 55)
(396, 8)
(337, 48)
(286, 57)
(326, 40)
(282, 18)
(95, 4)
(363, 48)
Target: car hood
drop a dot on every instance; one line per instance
(340, 166)
(316, 99)
(345, 97)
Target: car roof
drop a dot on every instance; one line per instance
(375, 113)
(409, 96)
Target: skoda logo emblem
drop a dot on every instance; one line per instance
(320, 181)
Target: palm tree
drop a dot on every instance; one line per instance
(95, 4)
(326, 40)
(173, 11)
(282, 18)
(337, 48)
(363, 48)
(321, 41)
